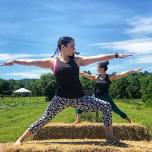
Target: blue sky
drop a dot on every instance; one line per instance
(31, 28)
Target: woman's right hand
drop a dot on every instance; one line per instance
(8, 63)
(82, 73)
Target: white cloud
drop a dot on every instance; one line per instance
(144, 59)
(115, 68)
(4, 56)
(140, 43)
(140, 26)
(139, 46)
(24, 75)
(34, 74)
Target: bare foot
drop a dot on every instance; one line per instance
(18, 143)
(77, 122)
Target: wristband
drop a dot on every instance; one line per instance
(116, 55)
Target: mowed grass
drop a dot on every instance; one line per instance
(17, 114)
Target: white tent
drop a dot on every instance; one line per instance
(23, 92)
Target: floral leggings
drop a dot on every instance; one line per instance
(85, 103)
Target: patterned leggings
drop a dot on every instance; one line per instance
(85, 103)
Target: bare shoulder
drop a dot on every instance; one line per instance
(51, 59)
(50, 62)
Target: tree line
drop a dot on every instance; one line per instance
(138, 85)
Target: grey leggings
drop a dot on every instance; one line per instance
(85, 103)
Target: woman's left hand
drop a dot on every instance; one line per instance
(8, 63)
(136, 70)
(124, 55)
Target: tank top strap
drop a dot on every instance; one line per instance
(71, 59)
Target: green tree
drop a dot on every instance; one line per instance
(6, 87)
(118, 88)
(48, 85)
(133, 89)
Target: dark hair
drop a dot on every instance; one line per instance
(63, 41)
(104, 65)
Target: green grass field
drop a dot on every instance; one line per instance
(16, 114)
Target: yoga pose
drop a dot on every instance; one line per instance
(65, 67)
(101, 90)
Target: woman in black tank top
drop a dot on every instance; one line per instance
(101, 90)
(68, 84)
(69, 90)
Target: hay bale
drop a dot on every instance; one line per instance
(77, 145)
(91, 131)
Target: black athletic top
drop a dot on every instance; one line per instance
(102, 86)
(67, 79)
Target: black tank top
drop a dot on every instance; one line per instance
(67, 79)
(102, 86)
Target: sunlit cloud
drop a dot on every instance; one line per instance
(34, 74)
(140, 26)
(139, 46)
(22, 55)
(144, 59)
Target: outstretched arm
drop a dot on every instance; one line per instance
(123, 74)
(88, 76)
(42, 63)
(83, 61)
